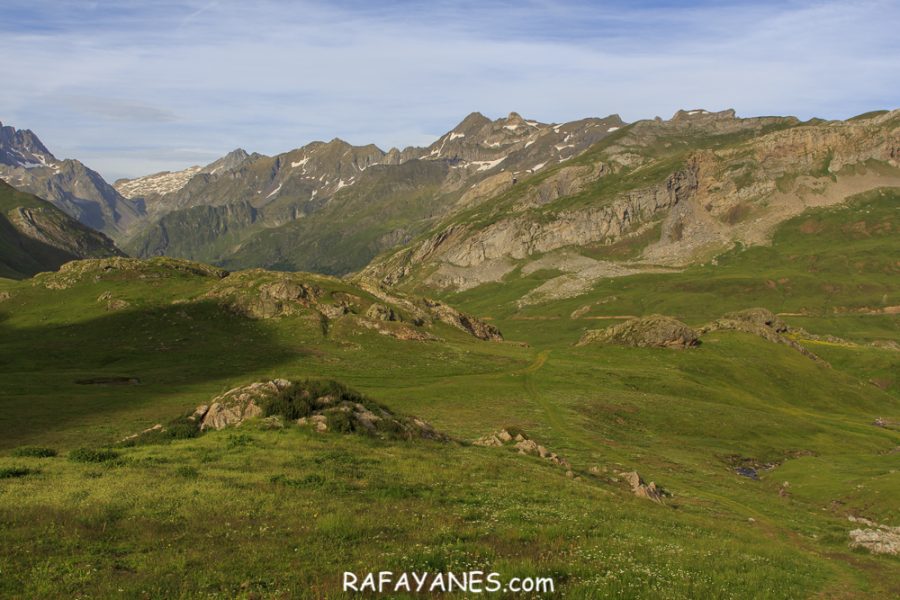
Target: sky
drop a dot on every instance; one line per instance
(132, 88)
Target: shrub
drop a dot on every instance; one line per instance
(187, 472)
(13, 472)
(238, 441)
(309, 481)
(182, 429)
(93, 455)
(34, 452)
(340, 421)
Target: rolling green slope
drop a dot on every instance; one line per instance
(387, 206)
(282, 512)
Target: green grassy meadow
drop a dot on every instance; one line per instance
(252, 512)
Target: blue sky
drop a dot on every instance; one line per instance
(132, 88)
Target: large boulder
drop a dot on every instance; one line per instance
(641, 489)
(236, 405)
(655, 331)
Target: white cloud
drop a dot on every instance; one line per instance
(276, 75)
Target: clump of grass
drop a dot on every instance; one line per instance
(15, 472)
(238, 441)
(34, 452)
(310, 481)
(187, 472)
(93, 455)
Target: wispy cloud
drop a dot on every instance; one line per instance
(270, 76)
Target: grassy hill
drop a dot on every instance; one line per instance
(256, 511)
(36, 236)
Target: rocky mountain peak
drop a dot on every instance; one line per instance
(230, 161)
(685, 114)
(22, 148)
(472, 122)
(515, 118)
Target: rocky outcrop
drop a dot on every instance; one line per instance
(762, 323)
(760, 317)
(104, 269)
(467, 323)
(876, 538)
(238, 404)
(706, 180)
(380, 312)
(655, 331)
(400, 331)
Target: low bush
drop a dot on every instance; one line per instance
(14, 472)
(34, 452)
(93, 455)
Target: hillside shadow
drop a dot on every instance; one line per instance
(52, 374)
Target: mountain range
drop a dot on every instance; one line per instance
(27, 165)
(487, 200)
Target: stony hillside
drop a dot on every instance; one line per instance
(332, 207)
(654, 195)
(27, 165)
(35, 236)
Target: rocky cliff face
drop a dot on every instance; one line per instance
(27, 165)
(703, 180)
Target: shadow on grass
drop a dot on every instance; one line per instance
(159, 352)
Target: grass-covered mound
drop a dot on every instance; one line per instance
(325, 405)
(332, 406)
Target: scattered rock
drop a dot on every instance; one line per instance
(886, 424)
(273, 422)
(654, 331)
(639, 488)
(783, 491)
(748, 472)
(134, 436)
(886, 345)
(111, 302)
(4, 296)
(380, 312)
(580, 312)
(523, 444)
